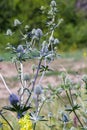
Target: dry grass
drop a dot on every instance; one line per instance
(75, 68)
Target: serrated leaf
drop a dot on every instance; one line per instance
(17, 108)
(9, 108)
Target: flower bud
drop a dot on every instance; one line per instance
(20, 49)
(38, 89)
(33, 67)
(50, 114)
(51, 39)
(13, 99)
(38, 33)
(26, 77)
(56, 41)
(68, 82)
(63, 75)
(65, 118)
(44, 49)
(19, 115)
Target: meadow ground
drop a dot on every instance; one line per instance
(75, 65)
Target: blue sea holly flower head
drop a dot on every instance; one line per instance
(44, 50)
(65, 117)
(17, 22)
(38, 33)
(51, 39)
(13, 98)
(26, 77)
(38, 89)
(20, 49)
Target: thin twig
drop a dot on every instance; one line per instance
(5, 84)
(36, 74)
(71, 95)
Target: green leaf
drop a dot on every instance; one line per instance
(45, 68)
(9, 108)
(17, 108)
(74, 108)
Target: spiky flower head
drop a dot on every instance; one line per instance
(38, 33)
(26, 77)
(38, 89)
(20, 49)
(13, 98)
(64, 117)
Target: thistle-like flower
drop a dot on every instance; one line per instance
(26, 77)
(38, 89)
(64, 118)
(44, 50)
(38, 33)
(20, 49)
(13, 98)
(51, 39)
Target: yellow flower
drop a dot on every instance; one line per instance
(25, 123)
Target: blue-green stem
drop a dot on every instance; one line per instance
(34, 127)
(35, 78)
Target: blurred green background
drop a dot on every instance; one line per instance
(72, 33)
